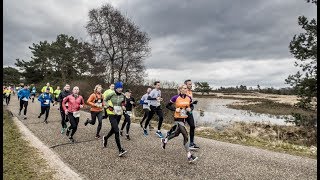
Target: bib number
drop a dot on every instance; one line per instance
(183, 113)
(24, 99)
(117, 110)
(76, 114)
(46, 102)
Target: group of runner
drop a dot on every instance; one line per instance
(114, 104)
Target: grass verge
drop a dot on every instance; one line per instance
(21, 161)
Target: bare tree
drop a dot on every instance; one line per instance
(117, 41)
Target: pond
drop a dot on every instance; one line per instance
(217, 114)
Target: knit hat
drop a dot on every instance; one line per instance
(118, 85)
(48, 88)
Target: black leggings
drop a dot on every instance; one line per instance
(45, 109)
(176, 130)
(154, 110)
(7, 99)
(64, 118)
(94, 116)
(25, 105)
(73, 123)
(105, 116)
(126, 121)
(32, 96)
(190, 121)
(114, 120)
(145, 116)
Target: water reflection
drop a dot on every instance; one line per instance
(218, 115)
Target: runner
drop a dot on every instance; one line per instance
(105, 94)
(96, 102)
(130, 103)
(190, 119)
(183, 105)
(7, 93)
(155, 107)
(75, 102)
(44, 88)
(146, 107)
(64, 119)
(45, 99)
(56, 94)
(24, 95)
(33, 93)
(115, 107)
(19, 88)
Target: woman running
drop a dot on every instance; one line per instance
(45, 99)
(96, 102)
(146, 107)
(130, 103)
(7, 93)
(33, 93)
(56, 94)
(23, 96)
(115, 103)
(75, 102)
(183, 105)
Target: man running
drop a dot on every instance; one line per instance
(155, 107)
(7, 93)
(183, 105)
(115, 103)
(75, 103)
(130, 103)
(146, 107)
(105, 94)
(44, 88)
(56, 94)
(64, 119)
(33, 93)
(190, 119)
(45, 99)
(96, 102)
(23, 96)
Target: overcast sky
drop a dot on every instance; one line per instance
(225, 43)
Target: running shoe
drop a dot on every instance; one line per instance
(145, 132)
(71, 139)
(122, 152)
(104, 141)
(86, 122)
(193, 146)
(121, 133)
(97, 136)
(192, 158)
(39, 116)
(45, 121)
(128, 137)
(62, 130)
(159, 134)
(164, 142)
(25, 117)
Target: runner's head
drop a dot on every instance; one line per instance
(111, 86)
(48, 90)
(182, 89)
(67, 87)
(118, 86)
(188, 83)
(149, 90)
(156, 84)
(48, 84)
(58, 87)
(128, 92)
(75, 90)
(25, 86)
(98, 89)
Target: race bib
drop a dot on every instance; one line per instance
(76, 114)
(129, 113)
(183, 113)
(117, 110)
(24, 99)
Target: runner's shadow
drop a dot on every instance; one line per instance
(72, 143)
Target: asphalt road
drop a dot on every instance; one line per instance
(147, 160)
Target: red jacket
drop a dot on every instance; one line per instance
(73, 103)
